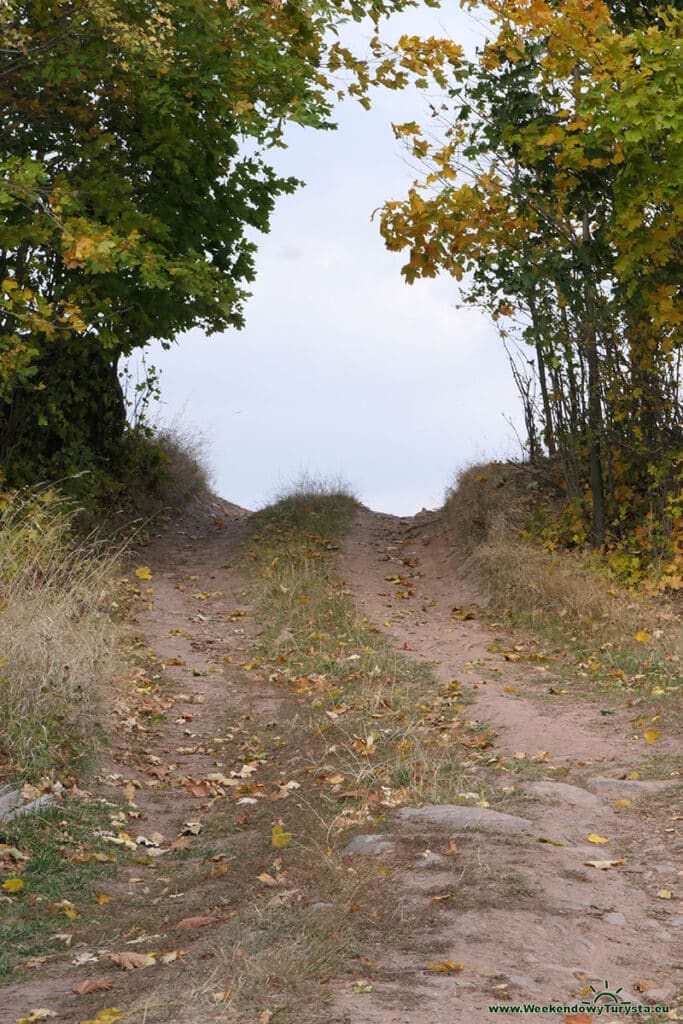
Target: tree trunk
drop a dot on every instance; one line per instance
(595, 430)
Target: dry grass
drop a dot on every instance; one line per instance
(487, 510)
(57, 639)
(159, 470)
(568, 594)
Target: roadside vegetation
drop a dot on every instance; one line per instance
(512, 525)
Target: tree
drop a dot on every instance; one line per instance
(553, 193)
(133, 171)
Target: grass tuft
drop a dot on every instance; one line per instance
(58, 642)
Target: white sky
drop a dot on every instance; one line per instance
(343, 369)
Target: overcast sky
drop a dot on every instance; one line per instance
(343, 369)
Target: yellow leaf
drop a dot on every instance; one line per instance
(67, 907)
(446, 966)
(108, 1016)
(37, 1015)
(279, 837)
(143, 572)
(642, 636)
(13, 885)
(622, 803)
(603, 865)
(593, 838)
(102, 898)
(633, 775)
(665, 894)
(651, 735)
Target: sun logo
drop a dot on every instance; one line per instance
(604, 997)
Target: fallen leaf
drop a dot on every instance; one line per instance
(108, 1016)
(191, 828)
(197, 922)
(651, 735)
(266, 878)
(445, 966)
(170, 957)
(362, 987)
(443, 899)
(143, 572)
(102, 898)
(642, 636)
(129, 961)
(665, 894)
(40, 1014)
(593, 838)
(84, 988)
(35, 961)
(550, 842)
(13, 885)
(603, 865)
(621, 803)
(279, 837)
(643, 986)
(183, 843)
(67, 908)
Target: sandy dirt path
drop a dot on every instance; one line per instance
(531, 921)
(528, 919)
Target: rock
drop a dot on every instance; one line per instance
(455, 816)
(12, 804)
(676, 921)
(9, 799)
(562, 793)
(615, 918)
(661, 995)
(369, 845)
(635, 786)
(431, 860)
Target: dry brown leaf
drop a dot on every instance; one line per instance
(84, 988)
(217, 870)
(102, 898)
(182, 843)
(603, 865)
(643, 986)
(129, 961)
(266, 878)
(197, 922)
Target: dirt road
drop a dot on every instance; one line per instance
(489, 900)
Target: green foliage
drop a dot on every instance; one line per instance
(554, 197)
(134, 172)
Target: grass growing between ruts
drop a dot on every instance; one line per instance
(392, 730)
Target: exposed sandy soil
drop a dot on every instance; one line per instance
(529, 920)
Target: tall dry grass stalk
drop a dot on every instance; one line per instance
(58, 641)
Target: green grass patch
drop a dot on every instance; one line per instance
(62, 865)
